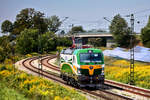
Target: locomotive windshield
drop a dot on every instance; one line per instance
(90, 57)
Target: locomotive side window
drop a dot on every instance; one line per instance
(74, 60)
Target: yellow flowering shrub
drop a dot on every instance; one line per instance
(5, 73)
(22, 76)
(57, 98)
(121, 63)
(28, 55)
(67, 98)
(35, 87)
(8, 61)
(119, 70)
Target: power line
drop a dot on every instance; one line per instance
(142, 16)
(142, 11)
(138, 12)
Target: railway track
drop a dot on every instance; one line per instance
(45, 61)
(128, 88)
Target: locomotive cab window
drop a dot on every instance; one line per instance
(90, 57)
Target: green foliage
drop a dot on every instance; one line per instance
(8, 61)
(32, 87)
(76, 29)
(64, 41)
(53, 23)
(2, 54)
(48, 42)
(7, 26)
(31, 41)
(5, 48)
(29, 18)
(34, 54)
(145, 34)
(31, 32)
(27, 42)
(97, 42)
(10, 94)
(121, 32)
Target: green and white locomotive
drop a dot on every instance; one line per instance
(82, 67)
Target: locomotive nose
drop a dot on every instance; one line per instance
(91, 70)
(91, 67)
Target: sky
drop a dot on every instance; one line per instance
(88, 13)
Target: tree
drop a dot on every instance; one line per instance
(48, 42)
(2, 54)
(7, 26)
(62, 32)
(5, 48)
(121, 32)
(28, 19)
(27, 42)
(97, 41)
(53, 23)
(145, 34)
(64, 41)
(76, 29)
(30, 40)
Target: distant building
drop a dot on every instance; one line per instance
(82, 38)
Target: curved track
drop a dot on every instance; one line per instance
(27, 63)
(125, 87)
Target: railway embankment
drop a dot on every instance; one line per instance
(34, 87)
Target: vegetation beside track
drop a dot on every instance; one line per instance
(119, 70)
(7, 93)
(25, 86)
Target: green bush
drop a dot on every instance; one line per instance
(64, 41)
(31, 41)
(10, 94)
(145, 36)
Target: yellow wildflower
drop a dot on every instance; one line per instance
(5, 73)
(67, 98)
(57, 98)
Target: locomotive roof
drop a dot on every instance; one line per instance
(85, 50)
(75, 51)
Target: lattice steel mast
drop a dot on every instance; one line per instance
(132, 51)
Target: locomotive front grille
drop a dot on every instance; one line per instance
(95, 79)
(86, 71)
(97, 71)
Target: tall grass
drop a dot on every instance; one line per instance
(33, 87)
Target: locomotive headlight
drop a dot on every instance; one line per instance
(103, 69)
(79, 71)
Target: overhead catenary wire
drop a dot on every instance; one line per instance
(97, 24)
(142, 11)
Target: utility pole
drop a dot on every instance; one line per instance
(40, 52)
(62, 22)
(132, 51)
(131, 79)
(13, 43)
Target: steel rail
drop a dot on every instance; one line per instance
(102, 94)
(125, 87)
